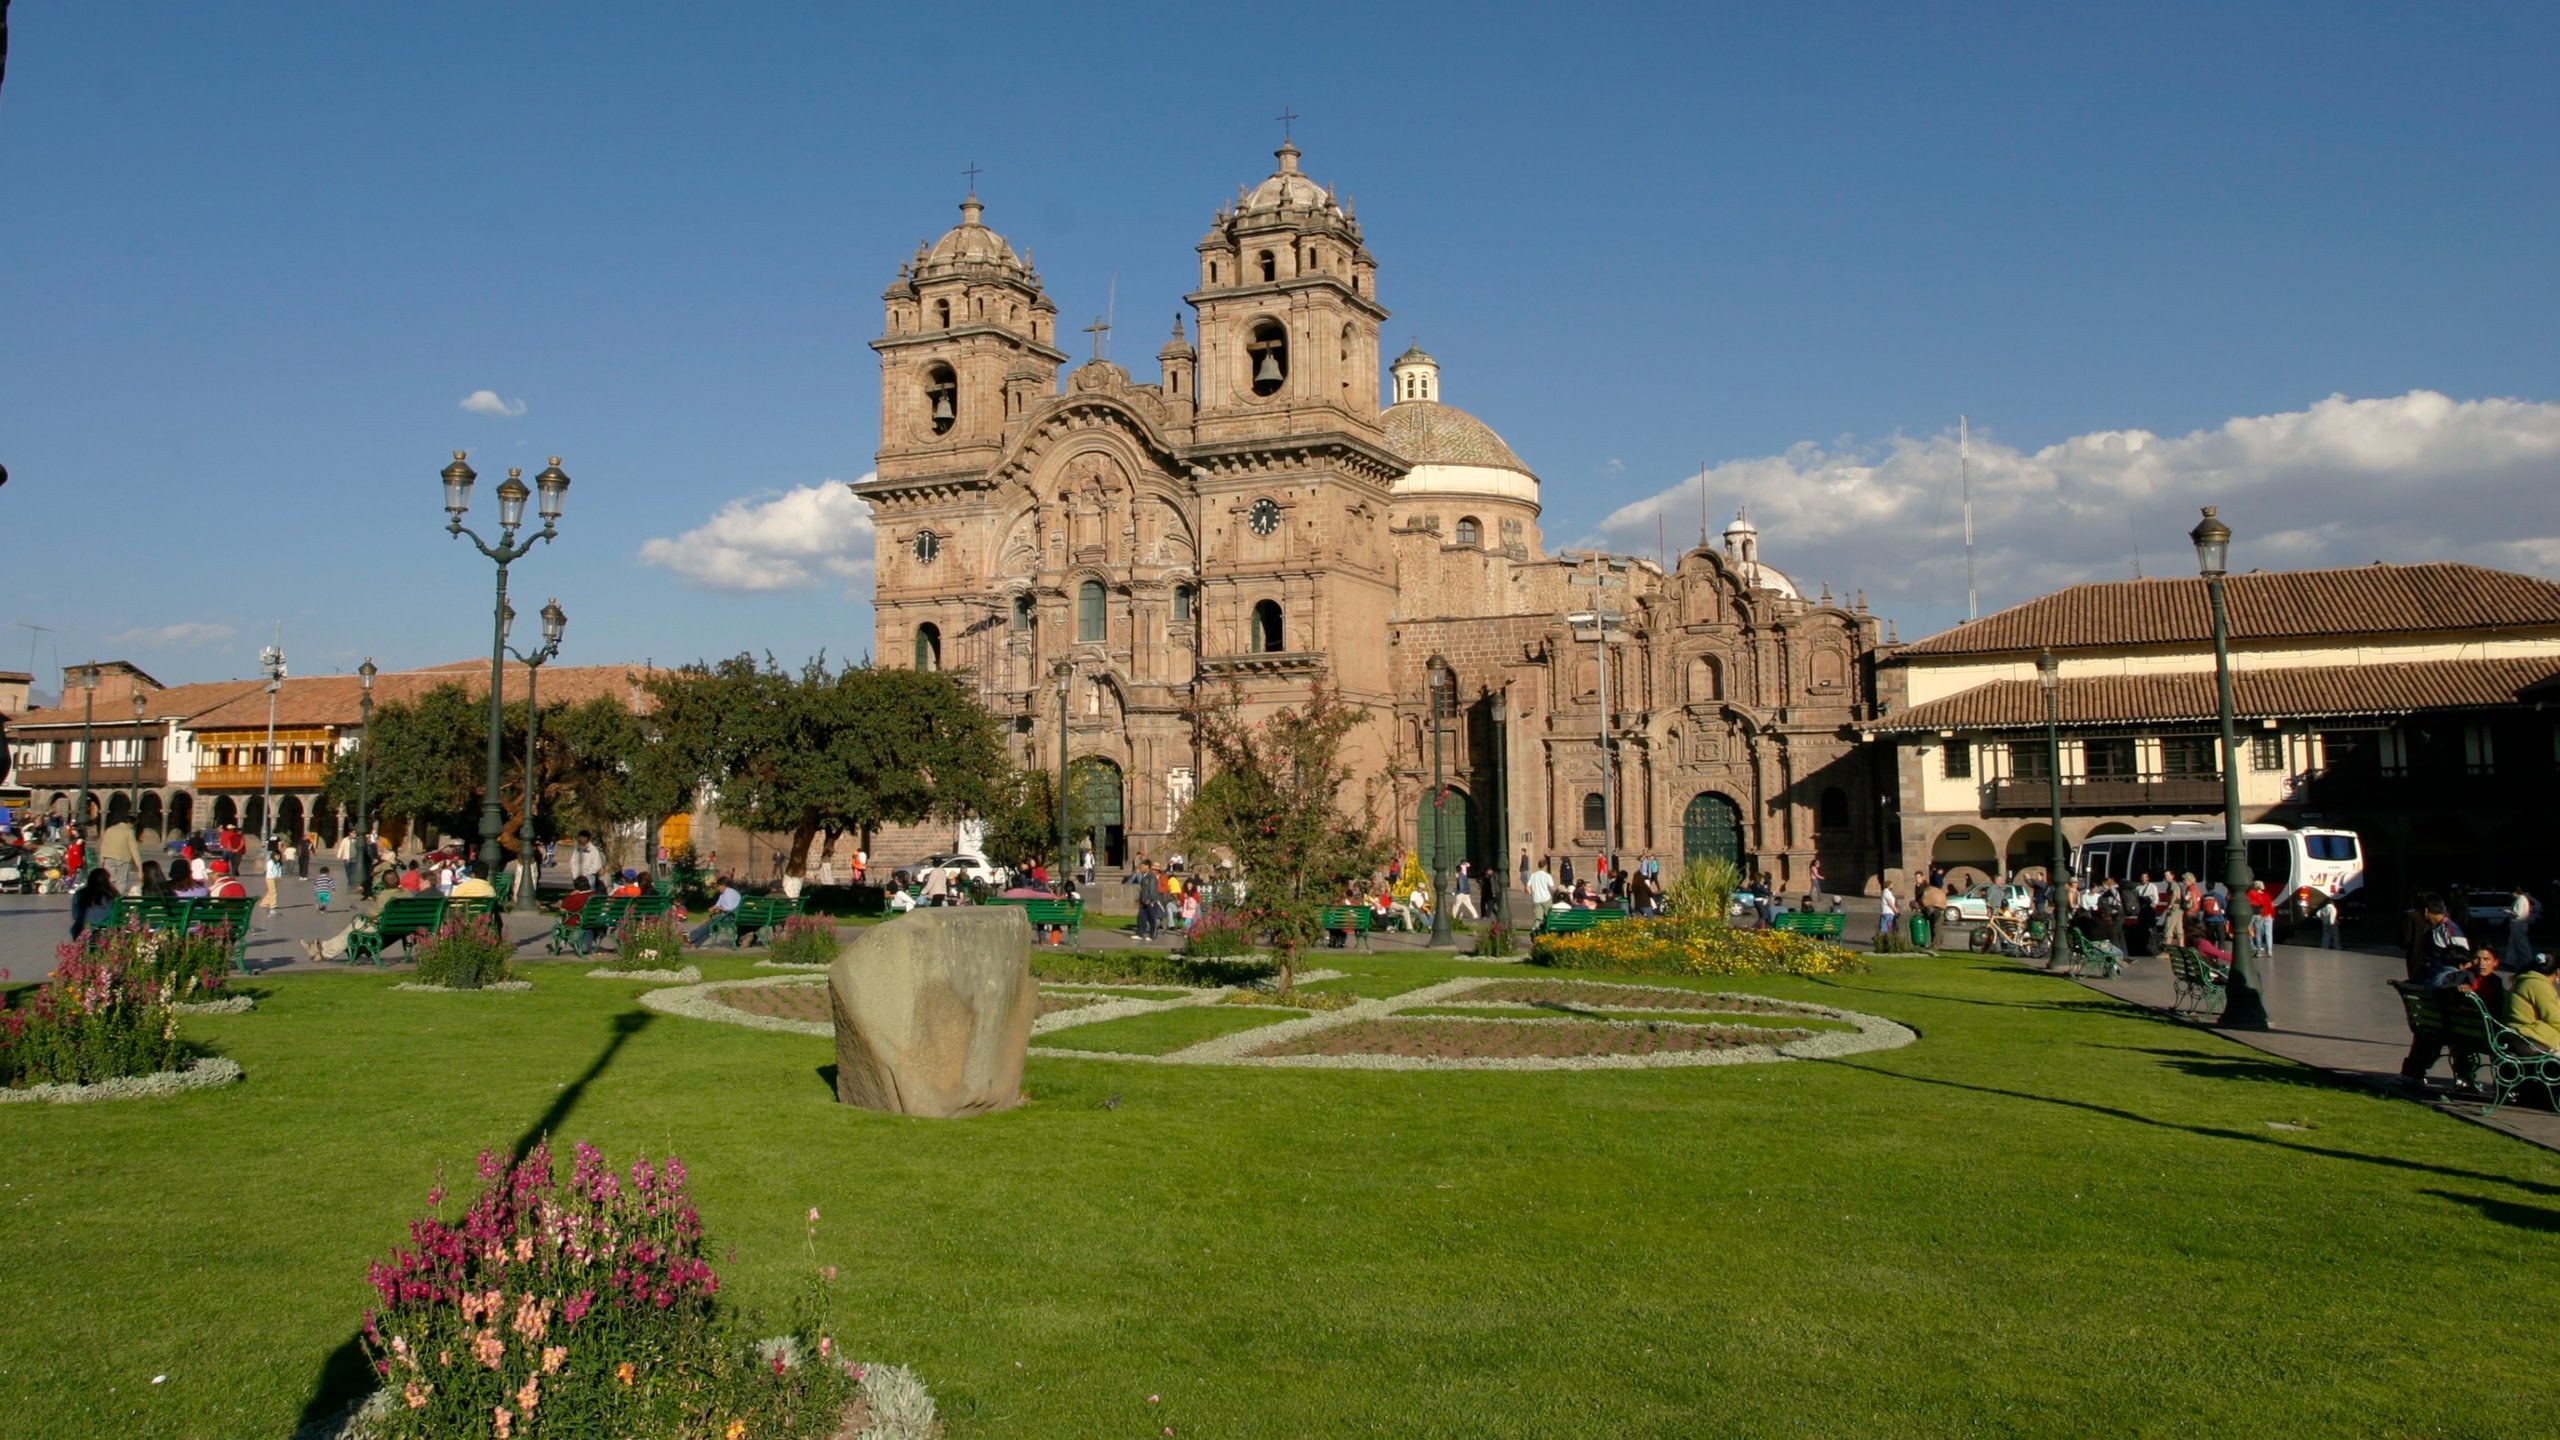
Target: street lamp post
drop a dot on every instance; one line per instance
(1443, 689)
(87, 676)
(1065, 673)
(2049, 675)
(2243, 1006)
(141, 704)
(364, 782)
(554, 621)
(271, 660)
(1498, 879)
(554, 487)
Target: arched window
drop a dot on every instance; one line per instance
(1026, 612)
(1183, 600)
(1089, 612)
(1267, 358)
(1267, 633)
(1835, 809)
(1706, 680)
(942, 397)
(1595, 812)
(1270, 266)
(1470, 533)
(942, 314)
(928, 647)
(1213, 272)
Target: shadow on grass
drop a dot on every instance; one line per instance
(2212, 1132)
(827, 1076)
(345, 1377)
(2506, 1212)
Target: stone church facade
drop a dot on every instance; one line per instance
(1091, 552)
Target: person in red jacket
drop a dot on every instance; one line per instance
(2262, 917)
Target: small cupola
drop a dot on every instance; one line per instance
(1416, 376)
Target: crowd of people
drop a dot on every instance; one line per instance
(2514, 983)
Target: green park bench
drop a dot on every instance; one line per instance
(151, 912)
(1350, 920)
(402, 918)
(1567, 922)
(2514, 1062)
(1067, 915)
(600, 916)
(755, 914)
(2092, 957)
(1814, 923)
(505, 884)
(2199, 981)
(159, 912)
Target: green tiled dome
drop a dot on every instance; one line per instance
(1427, 432)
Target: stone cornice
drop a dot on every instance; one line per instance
(1251, 458)
(970, 330)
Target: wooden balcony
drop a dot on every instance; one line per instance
(2081, 797)
(306, 776)
(102, 776)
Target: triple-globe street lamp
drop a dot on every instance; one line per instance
(554, 621)
(2243, 1006)
(553, 485)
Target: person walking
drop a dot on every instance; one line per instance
(1462, 901)
(321, 891)
(2522, 911)
(2262, 918)
(1888, 914)
(1541, 887)
(272, 900)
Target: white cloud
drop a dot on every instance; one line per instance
(486, 402)
(183, 635)
(2344, 482)
(796, 540)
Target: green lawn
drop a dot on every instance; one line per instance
(2051, 1216)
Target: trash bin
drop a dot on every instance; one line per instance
(1920, 931)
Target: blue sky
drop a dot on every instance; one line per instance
(254, 256)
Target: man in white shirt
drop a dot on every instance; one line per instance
(726, 904)
(1542, 888)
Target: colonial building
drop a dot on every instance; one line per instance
(1097, 553)
(2409, 703)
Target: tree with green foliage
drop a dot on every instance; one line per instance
(851, 749)
(430, 758)
(1275, 802)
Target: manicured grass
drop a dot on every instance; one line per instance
(2052, 1216)
(1165, 1031)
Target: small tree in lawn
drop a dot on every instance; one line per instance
(1274, 800)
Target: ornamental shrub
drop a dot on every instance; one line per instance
(465, 953)
(166, 957)
(805, 940)
(585, 1309)
(1495, 940)
(651, 942)
(99, 1017)
(1220, 935)
(1686, 947)
(1703, 891)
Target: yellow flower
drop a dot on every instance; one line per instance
(623, 1372)
(737, 1431)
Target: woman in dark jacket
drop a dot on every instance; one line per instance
(94, 903)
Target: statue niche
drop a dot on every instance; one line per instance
(1095, 493)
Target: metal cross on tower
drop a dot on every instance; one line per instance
(1099, 328)
(1288, 119)
(973, 172)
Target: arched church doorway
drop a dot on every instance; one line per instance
(1711, 829)
(1100, 808)
(1454, 840)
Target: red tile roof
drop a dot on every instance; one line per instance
(177, 702)
(2268, 605)
(338, 699)
(2306, 692)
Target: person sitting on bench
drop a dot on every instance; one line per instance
(726, 904)
(335, 947)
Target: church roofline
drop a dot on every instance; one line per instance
(900, 341)
(1280, 289)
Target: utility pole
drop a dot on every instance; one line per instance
(1605, 573)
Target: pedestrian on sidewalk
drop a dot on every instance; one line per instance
(2521, 913)
(1888, 914)
(275, 876)
(321, 891)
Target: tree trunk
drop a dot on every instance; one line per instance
(801, 837)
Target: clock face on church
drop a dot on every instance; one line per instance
(1264, 517)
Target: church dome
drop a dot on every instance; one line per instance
(1288, 188)
(969, 245)
(1451, 451)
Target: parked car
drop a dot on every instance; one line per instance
(962, 869)
(1974, 906)
(2485, 913)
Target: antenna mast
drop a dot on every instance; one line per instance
(1964, 462)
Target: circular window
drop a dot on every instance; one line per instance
(928, 545)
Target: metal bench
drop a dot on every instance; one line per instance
(1566, 922)
(403, 918)
(2514, 1062)
(1066, 915)
(2199, 981)
(1350, 920)
(1814, 923)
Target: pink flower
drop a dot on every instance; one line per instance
(1152, 1399)
(552, 1355)
(505, 1422)
(830, 1273)
(530, 1395)
(813, 1214)
(416, 1394)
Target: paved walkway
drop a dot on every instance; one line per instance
(2335, 1010)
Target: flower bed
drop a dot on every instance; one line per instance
(204, 1074)
(1452, 1038)
(1692, 947)
(588, 1307)
(1053, 1001)
(805, 940)
(650, 942)
(1620, 997)
(465, 953)
(711, 1002)
(802, 1001)
(102, 1015)
(1144, 967)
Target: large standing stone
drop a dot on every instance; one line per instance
(933, 1012)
